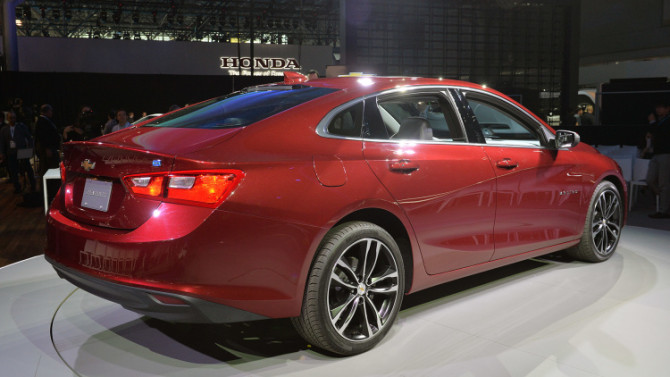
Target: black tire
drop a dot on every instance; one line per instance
(602, 229)
(354, 289)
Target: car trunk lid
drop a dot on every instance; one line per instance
(94, 191)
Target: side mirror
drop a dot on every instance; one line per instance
(565, 139)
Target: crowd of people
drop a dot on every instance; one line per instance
(29, 136)
(25, 135)
(655, 147)
(583, 116)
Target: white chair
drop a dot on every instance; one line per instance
(627, 150)
(607, 149)
(50, 174)
(640, 168)
(626, 165)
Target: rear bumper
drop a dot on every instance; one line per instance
(144, 301)
(228, 260)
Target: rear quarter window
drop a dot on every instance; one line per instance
(348, 122)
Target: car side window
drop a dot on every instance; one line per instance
(348, 122)
(502, 127)
(419, 117)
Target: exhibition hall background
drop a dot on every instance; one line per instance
(148, 55)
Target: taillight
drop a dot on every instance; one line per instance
(150, 186)
(62, 172)
(203, 188)
(206, 188)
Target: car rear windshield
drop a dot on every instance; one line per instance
(240, 109)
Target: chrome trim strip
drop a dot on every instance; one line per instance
(322, 126)
(532, 119)
(454, 106)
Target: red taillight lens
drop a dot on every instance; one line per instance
(207, 188)
(62, 173)
(149, 185)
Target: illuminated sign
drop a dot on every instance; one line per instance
(261, 66)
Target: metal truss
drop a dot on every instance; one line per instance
(311, 22)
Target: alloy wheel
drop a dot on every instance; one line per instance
(606, 222)
(363, 289)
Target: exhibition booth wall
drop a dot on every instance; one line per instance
(166, 58)
(144, 75)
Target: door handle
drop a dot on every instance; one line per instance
(507, 163)
(403, 166)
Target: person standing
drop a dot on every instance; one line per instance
(586, 117)
(658, 176)
(47, 140)
(13, 137)
(576, 118)
(88, 122)
(122, 119)
(24, 114)
(111, 122)
(73, 132)
(84, 128)
(313, 74)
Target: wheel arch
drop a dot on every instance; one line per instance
(623, 191)
(392, 224)
(602, 228)
(620, 185)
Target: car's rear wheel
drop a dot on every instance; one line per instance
(602, 229)
(354, 289)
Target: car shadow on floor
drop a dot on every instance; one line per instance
(476, 281)
(237, 343)
(212, 343)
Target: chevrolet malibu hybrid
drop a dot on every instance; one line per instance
(325, 201)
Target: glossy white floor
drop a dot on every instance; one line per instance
(537, 318)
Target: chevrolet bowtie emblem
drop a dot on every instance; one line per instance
(87, 165)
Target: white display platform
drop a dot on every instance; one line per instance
(538, 318)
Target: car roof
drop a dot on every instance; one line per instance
(380, 83)
(357, 86)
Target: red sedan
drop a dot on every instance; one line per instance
(325, 201)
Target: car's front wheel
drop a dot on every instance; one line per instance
(354, 289)
(602, 229)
